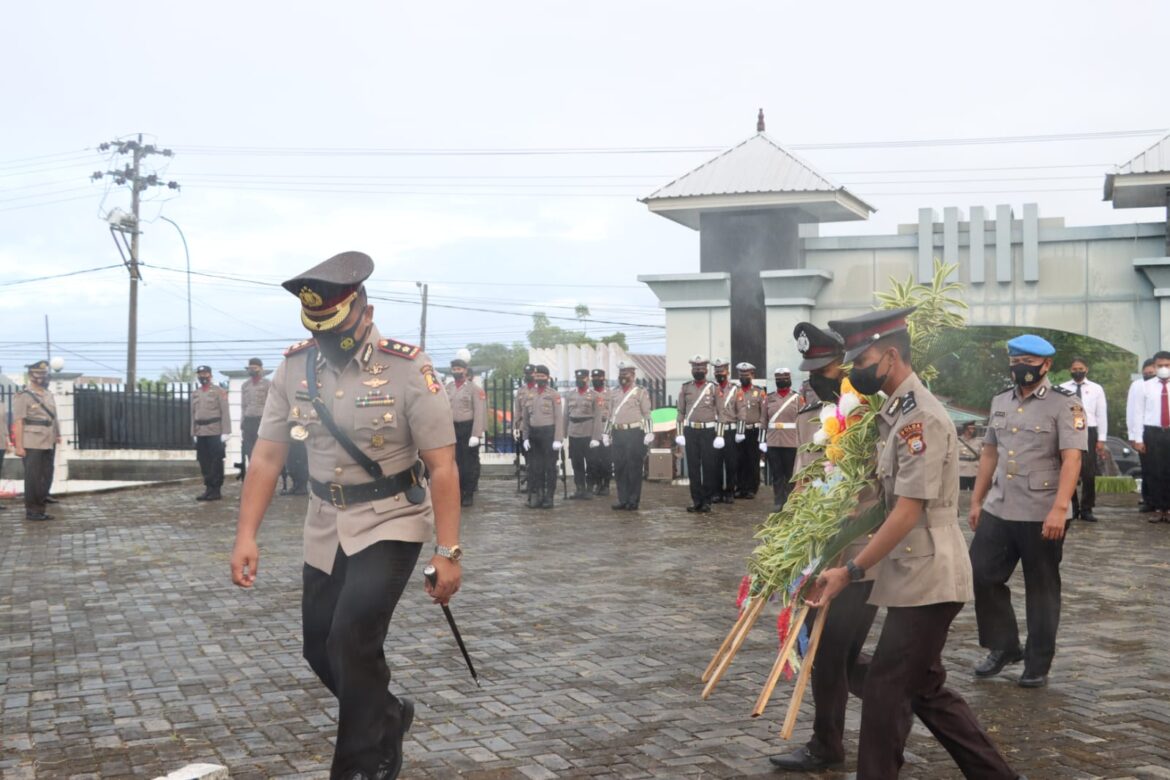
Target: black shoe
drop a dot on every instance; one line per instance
(391, 765)
(750, 495)
(546, 503)
(1088, 516)
(693, 508)
(213, 496)
(1031, 680)
(618, 506)
(996, 660)
(703, 508)
(803, 760)
(203, 496)
(299, 491)
(51, 500)
(717, 499)
(603, 491)
(631, 507)
(465, 500)
(1144, 508)
(1156, 518)
(36, 516)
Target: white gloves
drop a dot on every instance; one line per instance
(527, 445)
(648, 439)
(473, 441)
(605, 440)
(594, 444)
(739, 438)
(194, 439)
(557, 446)
(223, 437)
(719, 442)
(516, 434)
(680, 440)
(763, 446)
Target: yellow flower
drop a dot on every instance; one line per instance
(832, 426)
(834, 453)
(847, 387)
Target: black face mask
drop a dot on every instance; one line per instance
(41, 381)
(783, 384)
(1026, 376)
(598, 384)
(542, 383)
(625, 381)
(745, 381)
(1079, 376)
(866, 380)
(699, 376)
(339, 345)
(582, 384)
(827, 389)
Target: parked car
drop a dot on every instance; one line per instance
(1124, 456)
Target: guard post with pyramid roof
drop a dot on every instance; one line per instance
(752, 288)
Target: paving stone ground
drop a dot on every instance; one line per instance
(126, 652)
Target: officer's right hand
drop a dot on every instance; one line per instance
(1138, 447)
(19, 451)
(973, 515)
(763, 446)
(719, 442)
(605, 439)
(527, 445)
(680, 441)
(594, 444)
(245, 562)
(1054, 525)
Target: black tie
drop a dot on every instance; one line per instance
(1078, 389)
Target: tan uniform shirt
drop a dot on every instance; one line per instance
(253, 394)
(1029, 434)
(754, 399)
(780, 418)
(468, 402)
(581, 413)
(390, 404)
(969, 456)
(519, 402)
(38, 411)
(918, 458)
(543, 408)
(635, 407)
(209, 411)
(702, 399)
(603, 410)
(730, 403)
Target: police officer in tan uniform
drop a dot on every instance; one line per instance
(630, 430)
(211, 422)
(542, 426)
(747, 436)
(519, 399)
(36, 434)
(4, 436)
(581, 423)
(368, 408)
(600, 460)
(730, 416)
(698, 417)
(253, 393)
(469, 411)
(780, 439)
(1028, 472)
(926, 573)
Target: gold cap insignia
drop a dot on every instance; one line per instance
(310, 298)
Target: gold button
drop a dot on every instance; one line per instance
(1009, 476)
(337, 471)
(908, 549)
(870, 536)
(340, 394)
(1011, 452)
(398, 497)
(1015, 430)
(1045, 484)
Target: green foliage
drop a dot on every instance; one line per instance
(1116, 485)
(546, 335)
(936, 325)
(182, 374)
(501, 361)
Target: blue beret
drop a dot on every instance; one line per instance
(1030, 345)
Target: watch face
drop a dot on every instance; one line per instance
(456, 553)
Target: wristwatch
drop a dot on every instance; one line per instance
(855, 572)
(453, 553)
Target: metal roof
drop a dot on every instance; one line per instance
(1156, 159)
(755, 174)
(650, 366)
(1142, 182)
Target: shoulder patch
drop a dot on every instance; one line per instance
(1063, 390)
(909, 403)
(399, 348)
(911, 436)
(1078, 413)
(300, 346)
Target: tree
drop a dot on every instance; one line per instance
(582, 312)
(183, 374)
(545, 335)
(500, 360)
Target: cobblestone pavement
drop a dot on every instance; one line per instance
(125, 650)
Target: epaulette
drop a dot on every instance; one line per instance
(300, 346)
(810, 407)
(1063, 390)
(399, 348)
(1008, 389)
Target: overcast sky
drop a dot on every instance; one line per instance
(229, 85)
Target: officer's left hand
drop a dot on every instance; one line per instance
(1054, 525)
(829, 584)
(1101, 448)
(557, 445)
(718, 443)
(594, 444)
(648, 439)
(448, 578)
(763, 447)
(473, 441)
(740, 437)
(223, 437)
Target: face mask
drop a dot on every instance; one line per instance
(1025, 375)
(598, 384)
(339, 345)
(866, 380)
(582, 384)
(745, 381)
(41, 380)
(700, 375)
(625, 381)
(721, 378)
(204, 380)
(542, 383)
(459, 374)
(827, 389)
(783, 384)
(1079, 376)
(1163, 372)
(255, 370)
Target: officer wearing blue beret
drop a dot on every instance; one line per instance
(1028, 470)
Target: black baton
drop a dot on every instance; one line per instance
(432, 577)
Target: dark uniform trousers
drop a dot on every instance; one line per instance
(209, 451)
(249, 431)
(599, 463)
(748, 462)
(702, 466)
(998, 546)
(579, 454)
(1157, 441)
(38, 478)
(542, 461)
(846, 627)
(628, 455)
(466, 458)
(1088, 497)
(904, 678)
(726, 464)
(781, 461)
(346, 615)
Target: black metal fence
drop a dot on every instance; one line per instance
(6, 393)
(111, 417)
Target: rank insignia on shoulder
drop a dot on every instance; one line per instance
(912, 436)
(428, 372)
(909, 403)
(399, 348)
(1061, 390)
(300, 346)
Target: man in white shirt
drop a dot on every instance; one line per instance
(1092, 397)
(1135, 389)
(1149, 432)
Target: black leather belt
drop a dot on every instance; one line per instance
(45, 423)
(342, 496)
(208, 422)
(579, 419)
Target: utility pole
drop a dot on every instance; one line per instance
(122, 223)
(190, 338)
(422, 325)
(48, 349)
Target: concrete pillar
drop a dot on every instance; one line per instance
(1157, 271)
(61, 384)
(698, 319)
(790, 297)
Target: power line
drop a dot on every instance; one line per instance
(30, 280)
